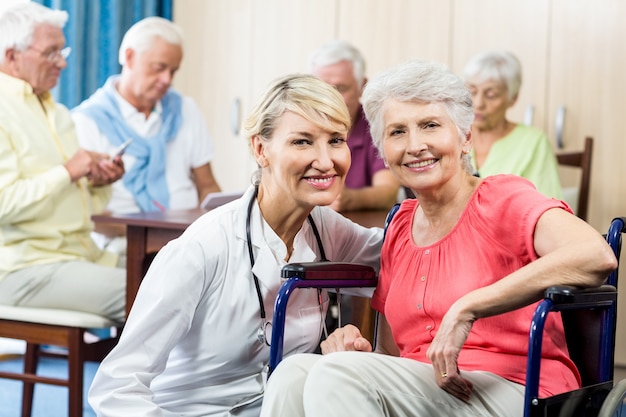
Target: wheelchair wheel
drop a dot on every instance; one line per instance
(615, 403)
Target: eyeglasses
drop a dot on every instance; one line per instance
(54, 56)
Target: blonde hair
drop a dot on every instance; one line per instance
(302, 94)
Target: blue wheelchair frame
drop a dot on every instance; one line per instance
(597, 372)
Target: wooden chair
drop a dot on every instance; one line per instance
(582, 160)
(62, 328)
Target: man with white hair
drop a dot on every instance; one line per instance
(49, 187)
(169, 159)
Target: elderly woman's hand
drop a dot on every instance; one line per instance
(346, 338)
(444, 352)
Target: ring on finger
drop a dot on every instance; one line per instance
(444, 374)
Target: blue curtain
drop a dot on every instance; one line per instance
(94, 30)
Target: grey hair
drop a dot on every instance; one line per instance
(336, 51)
(500, 66)
(423, 82)
(18, 23)
(141, 35)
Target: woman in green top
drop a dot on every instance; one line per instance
(502, 146)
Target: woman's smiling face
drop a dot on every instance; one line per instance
(302, 161)
(421, 143)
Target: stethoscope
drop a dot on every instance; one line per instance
(265, 324)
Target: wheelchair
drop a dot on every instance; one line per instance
(589, 318)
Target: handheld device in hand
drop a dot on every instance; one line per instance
(119, 151)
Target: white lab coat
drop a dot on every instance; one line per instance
(190, 344)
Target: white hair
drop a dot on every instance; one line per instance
(336, 51)
(421, 82)
(18, 23)
(500, 66)
(141, 35)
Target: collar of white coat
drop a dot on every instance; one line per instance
(268, 249)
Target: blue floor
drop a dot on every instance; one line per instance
(50, 400)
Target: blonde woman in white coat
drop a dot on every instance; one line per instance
(192, 344)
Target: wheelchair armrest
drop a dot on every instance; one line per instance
(312, 275)
(328, 270)
(565, 297)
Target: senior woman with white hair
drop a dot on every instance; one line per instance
(455, 298)
(501, 146)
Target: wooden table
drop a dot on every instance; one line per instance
(147, 233)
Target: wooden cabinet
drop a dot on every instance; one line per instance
(233, 50)
(520, 27)
(216, 72)
(389, 33)
(572, 54)
(587, 70)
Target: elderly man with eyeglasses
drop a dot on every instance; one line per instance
(49, 187)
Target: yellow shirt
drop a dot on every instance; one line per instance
(44, 217)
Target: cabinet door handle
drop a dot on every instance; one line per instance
(235, 116)
(529, 115)
(559, 125)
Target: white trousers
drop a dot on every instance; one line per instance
(82, 286)
(368, 384)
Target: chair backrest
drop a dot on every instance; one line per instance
(582, 160)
